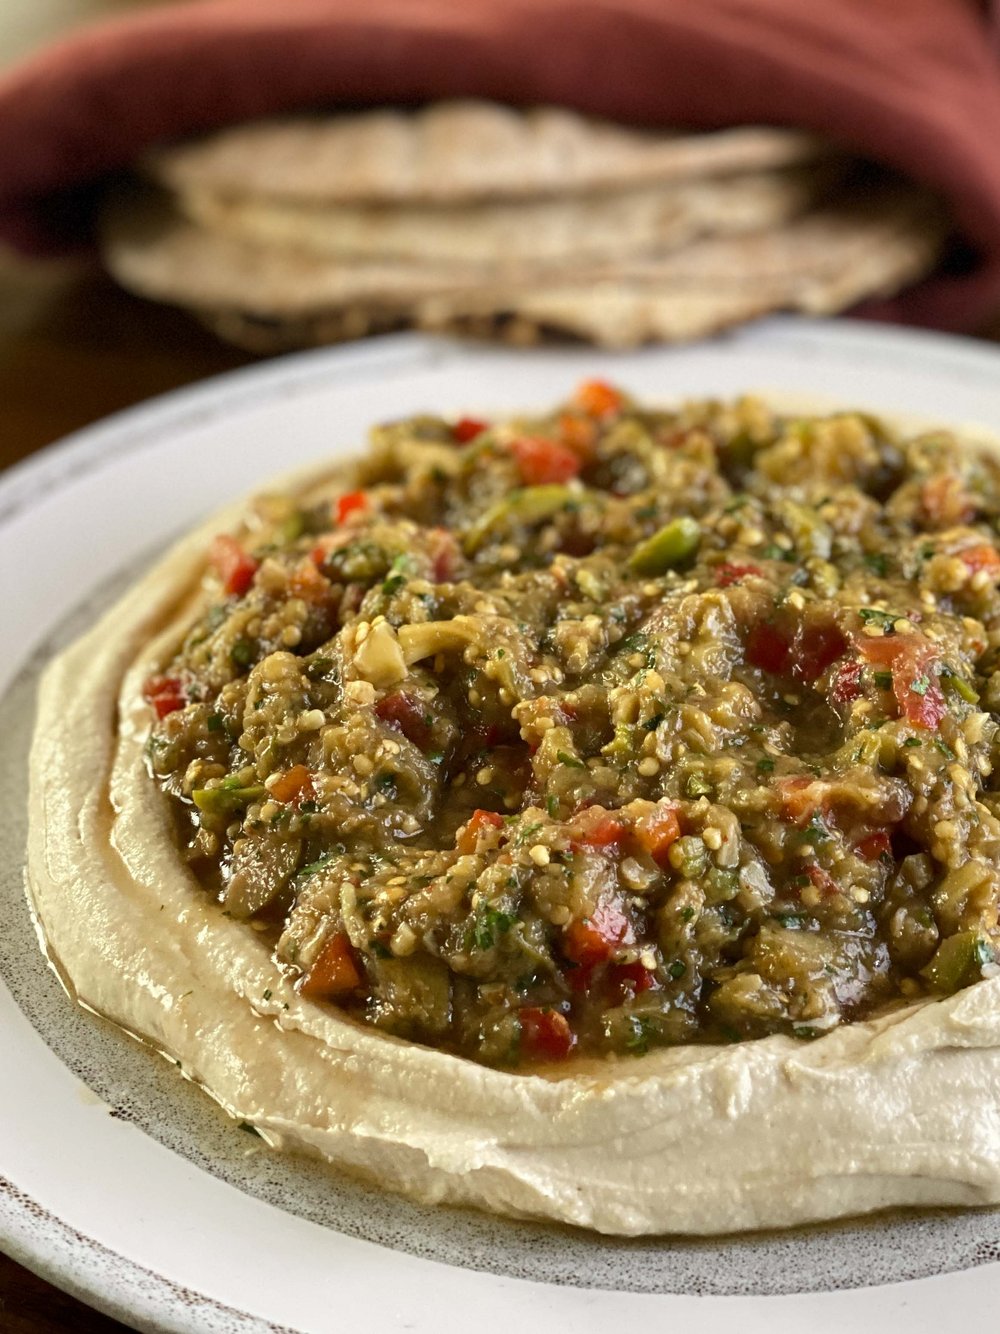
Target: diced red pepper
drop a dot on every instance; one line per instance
(629, 979)
(914, 663)
(406, 712)
(579, 433)
(467, 428)
(598, 398)
(335, 972)
(657, 832)
(800, 797)
(295, 784)
(768, 648)
(234, 566)
(444, 555)
(352, 503)
(597, 828)
(823, 881)
(594, 939)
(164, 694)
(479, 821)
(545, 1035)
(946, 502)
(982, 557)
(541, 461)
(306, 582)
(730, 572)
(815, 648)
(846, 683)
(873, 845)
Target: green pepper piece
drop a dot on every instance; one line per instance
(958, 684)
(220, 800)
(529, 504)
(673, 544)
(958, 962)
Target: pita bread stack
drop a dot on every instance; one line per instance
(480, 218)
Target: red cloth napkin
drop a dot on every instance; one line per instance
(912, 83)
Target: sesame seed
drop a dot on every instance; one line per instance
(539, 854)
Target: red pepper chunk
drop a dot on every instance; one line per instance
(873, 846)
(541, 461)
(233, 565)
(729, 573)
(598, 398)
(767, 648)
(597, 828)
(579, 433)
(164, 694)
(914, 663)
(350, 504)
(846, 683)
(594, 939)
(634, 978)
(405, 712)
(545, 1035)
(800, 797)
(335, 972)
(982, 557)
(479, 821)
(814, 649)
(467, 428)
(657, 832)
(295, 784)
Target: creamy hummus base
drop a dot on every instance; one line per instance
(904, 1110)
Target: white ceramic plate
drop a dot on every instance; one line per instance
(123, 1184)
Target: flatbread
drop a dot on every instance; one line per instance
(821, 262)
(507, 233)
(452, 151)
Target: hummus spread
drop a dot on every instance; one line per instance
(712, 946)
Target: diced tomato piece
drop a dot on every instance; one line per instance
(823, 881)
(598, 398)
(874, 845)
(597, 828)
(729, 573)
(467, 428)
(406, 712)
(306, 582)
(801, 798)
(479, 821)
(846, 683)
(982, 557)
(768, 648)
(592, 940)
(164, 694)
(335, 972)
(630, 979)
(295, 784)
(814, 649)
(545, 1035)
(352, 503)
(657, 832)
(946, 502)
(234, 566)
(542, 461)
(579, 433)
(915, 664)
(444, 555)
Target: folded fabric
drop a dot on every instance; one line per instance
(915, 86)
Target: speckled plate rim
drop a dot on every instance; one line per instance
(170, 1247)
